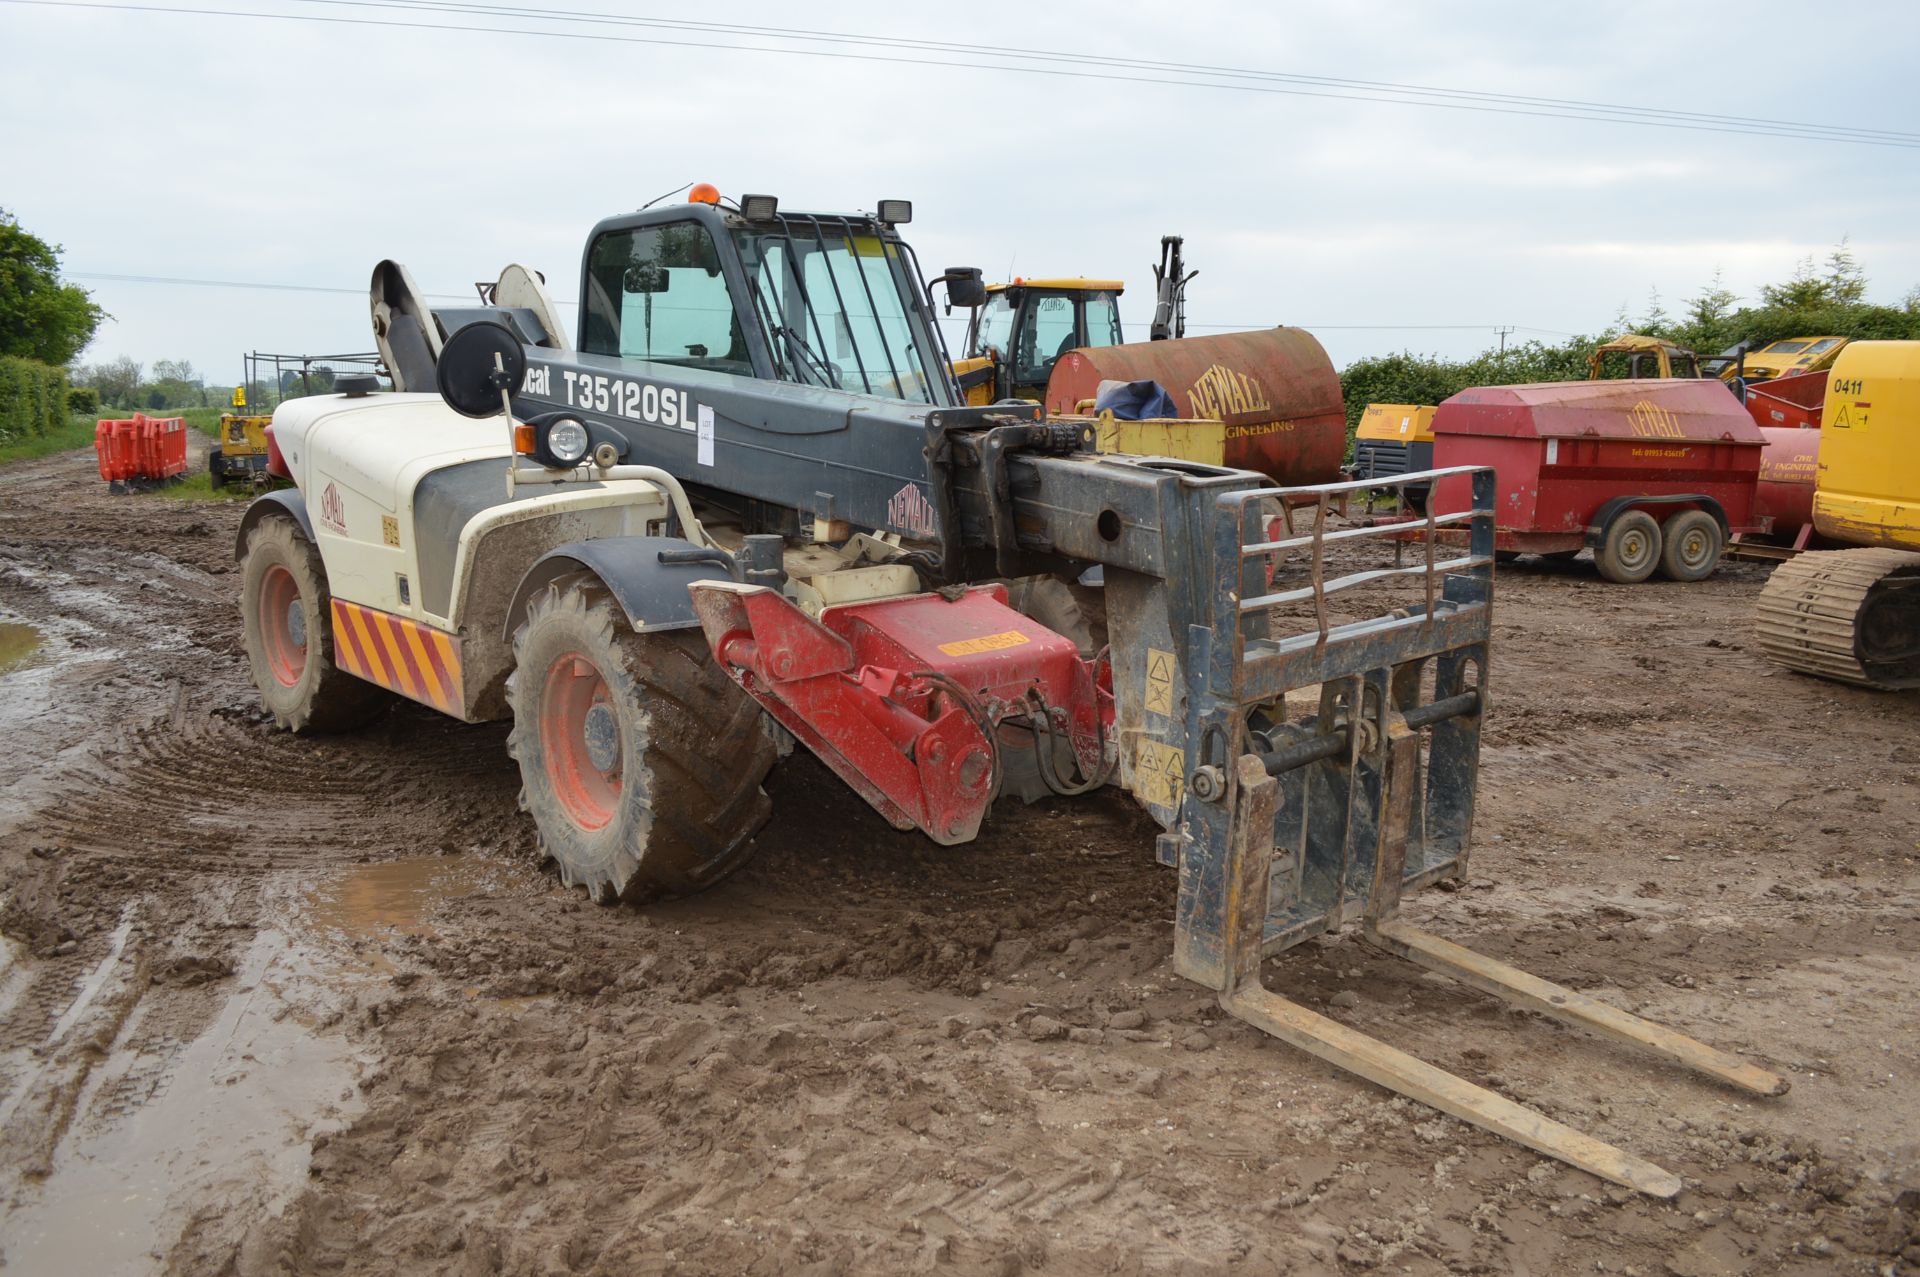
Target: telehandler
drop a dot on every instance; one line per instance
(749, 509)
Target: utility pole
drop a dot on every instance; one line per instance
(1503, 330)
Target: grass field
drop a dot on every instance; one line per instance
(198, 486)
(77, 433)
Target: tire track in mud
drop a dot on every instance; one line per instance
(867, 1054)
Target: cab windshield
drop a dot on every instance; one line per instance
(839, 307)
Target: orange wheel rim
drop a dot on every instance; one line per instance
(580, 740)
(283, 626)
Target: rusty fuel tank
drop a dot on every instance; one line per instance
(1274, 389)
(1788, 467)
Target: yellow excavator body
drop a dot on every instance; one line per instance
(1853, 615)
(1867, 491)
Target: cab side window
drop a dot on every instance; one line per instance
(657, 293)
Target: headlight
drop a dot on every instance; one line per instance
(568, 441)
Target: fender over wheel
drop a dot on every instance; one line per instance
(287, 614)
(641, 762)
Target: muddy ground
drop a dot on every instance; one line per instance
(289, 1006)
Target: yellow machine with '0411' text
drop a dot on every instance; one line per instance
(1853, 614)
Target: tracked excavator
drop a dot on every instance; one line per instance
(1851, 612)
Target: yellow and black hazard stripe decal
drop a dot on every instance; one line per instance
(403, 656)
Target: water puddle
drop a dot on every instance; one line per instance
(18, 643)
(364, 905)
(229, 1114)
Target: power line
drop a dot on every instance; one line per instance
(259, 285)
(185, 282)
(480, 7)
(1443, 99)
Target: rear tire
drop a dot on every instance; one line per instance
(641, 761)
(1691, 543)
(216, 467)
(1631, 549)
(287, 613)
(1068, 608)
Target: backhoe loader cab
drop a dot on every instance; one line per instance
(1634, 356)
(1020, 333)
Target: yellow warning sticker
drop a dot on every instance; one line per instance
(1160, 669)
(1159, 773)
(390, 529)
(985, 643)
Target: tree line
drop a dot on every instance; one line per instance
(1824, 299)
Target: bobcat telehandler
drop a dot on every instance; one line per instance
(748, 508)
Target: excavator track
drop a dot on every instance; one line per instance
(1848, 615)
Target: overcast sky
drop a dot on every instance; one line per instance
(298, 152)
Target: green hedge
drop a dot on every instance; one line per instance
(83, 401)
(33, 399)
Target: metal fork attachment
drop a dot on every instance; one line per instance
(1290, 814)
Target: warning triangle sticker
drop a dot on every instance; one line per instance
(1844, 420)
(1160, 670)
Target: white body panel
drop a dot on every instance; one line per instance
(358, 462)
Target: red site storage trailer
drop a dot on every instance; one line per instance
(1651, 474)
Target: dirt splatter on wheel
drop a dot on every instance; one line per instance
(1690, 546)
(641, 762)
(286, 612)
(1631, 549)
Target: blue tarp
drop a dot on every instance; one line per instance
(1135, 400)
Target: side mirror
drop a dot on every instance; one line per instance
(479, 364)
(966, 286)
(648, 277)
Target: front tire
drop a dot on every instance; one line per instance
(287, 613)
(641, 761)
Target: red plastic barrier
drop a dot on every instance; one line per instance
(163, 447)
(114, 446)
(103, 449)
(140, 447)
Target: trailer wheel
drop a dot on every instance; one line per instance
(640, 760)
(1691, 545)
(287, 615)
(1631, 549)
(216, 467)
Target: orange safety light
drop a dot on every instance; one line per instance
(523, 438)
(704, 193)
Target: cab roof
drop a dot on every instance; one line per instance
(1078, 283)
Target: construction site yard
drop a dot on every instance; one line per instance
(276, 1005)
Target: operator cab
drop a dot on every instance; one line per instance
(1026, 326)
(827, 300)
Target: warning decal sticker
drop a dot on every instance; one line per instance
(985, 643)
(1159, 773)
(1160, 668)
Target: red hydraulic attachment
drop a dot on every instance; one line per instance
(908, 698)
